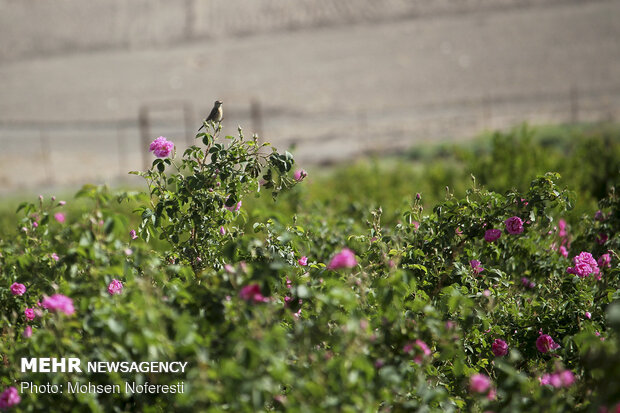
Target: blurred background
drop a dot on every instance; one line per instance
(87, 85)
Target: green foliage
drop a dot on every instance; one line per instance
(404, 329)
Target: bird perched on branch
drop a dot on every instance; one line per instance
(216, 115)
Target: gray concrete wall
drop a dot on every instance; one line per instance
(31, 28)
(35, 28)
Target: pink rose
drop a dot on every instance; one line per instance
(60, 217)
(251, 293)
(499, 348)
(303, 261)
(604, 261)
(479, 383)
(9, 398)
(161, 147)
(527, 283)
(563, 251)
(30, 314)
(132, 234)
(115, 287)
(475, 265)
(59, 302)
(344, 259)
(300, 174)
(544, 343)
(562, 378)
(27, 332)
(492, 235)
(18, 289)
(514, 225)
(584, 265)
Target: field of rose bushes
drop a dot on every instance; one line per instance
(479, 278)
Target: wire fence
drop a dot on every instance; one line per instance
(75, 152)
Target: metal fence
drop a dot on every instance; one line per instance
(73, 153)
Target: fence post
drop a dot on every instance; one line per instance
(143, 121)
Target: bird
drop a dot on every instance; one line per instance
(216, 115)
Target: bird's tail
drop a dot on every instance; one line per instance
(203, 125)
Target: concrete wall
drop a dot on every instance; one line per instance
(42, 27)
(35, 28)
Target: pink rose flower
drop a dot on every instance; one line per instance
(115, 287)
(300, 174)
(54, 256)
(527, 283)
(499, 347)
(562, 227)
(251, 293)
(30, 314)
(562, 378)
(60, 217)
(588, 315)
(602, 238)
(18, 289)
(563, 251)
(132, 234)
(303, 261)
(222, 231)
(544, 343)
(234, 208)
(59, 302)
(604, 261)
(62, 203)
(475, 265)
(161, 147)
(492, 235)
(514, 225)
(479, 383)
(344, 259)
(9, 398)
(27, 332)
(492, 395)
(567, 378)
(584, 265)
(426, 351)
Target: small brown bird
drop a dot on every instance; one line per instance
(216, 115)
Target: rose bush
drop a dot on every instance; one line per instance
(463, 307)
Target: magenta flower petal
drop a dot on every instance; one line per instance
(59, 302)
(499, 348)
(584, 265)
(544, 343)
(491, 235)
(115, 287)
(9, 398)
(252, 293)
(514, 225)
(479, 383)
(18, 289)
(344, 259)
(161, 147)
